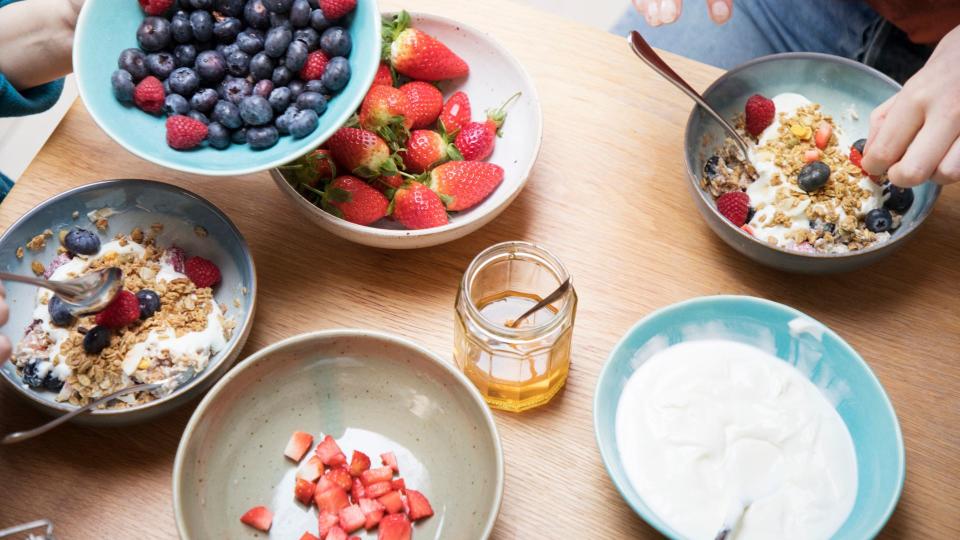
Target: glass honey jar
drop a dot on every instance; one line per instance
(519, 368)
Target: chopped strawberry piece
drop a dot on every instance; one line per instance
(394, 527)
(354, 538)
(398, 484)
(359, 462)
(373, 476)
(298, 445)
(356, 491)
(327, 521)
(392, 502)
(304, 491)
(311, 470)
(419, 505)
(376, 490)
(336, 533)
(331, 500)
(390, 460)
(258, 517)
(352, 518)
(326, 484)
(822, 137)
(372, 510)
(341, 477)
(308, 536)
(330, 453)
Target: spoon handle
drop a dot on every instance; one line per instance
(652, 59)
(551, 298)
(59, 287)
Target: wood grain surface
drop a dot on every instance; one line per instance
(608, 197)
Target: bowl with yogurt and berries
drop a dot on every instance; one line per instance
(180, 318)
(800, 200)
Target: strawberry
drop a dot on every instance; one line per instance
(331, 500)
(359, 462)
(811, 155)
(856, 156)
(456, 113)
(377, 489)
(336, 533)
(336, 9)
(174, 256)
(759, 113)
(155, 7)
(734, 205)
(394, 527)
(184, 133)
(389, 459)
(356, 491)
(148, 95)
(352, 518)
(298, 445)
(341, 477)
(385, 110)
(330, 454)
(419, 505)
(379, 474)
(354, 200)
(427, 148)
(327, 521)
(384, 76)
(124, 309)
(476, 139)
(314, 67)
(398, 484)
(372, 511)
(418, 55)
(822, 136)
(311, 470)
(392, 502)
(416, 206)
(326, 484)
(362, 153)
(202, 272)
(463, 184)
(258, 517)
(308, 536)
(425, 101)
(304, 491)
(390, 182)
(747, 229)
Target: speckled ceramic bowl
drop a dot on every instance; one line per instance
(371, 391)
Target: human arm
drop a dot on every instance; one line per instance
(36, 40)
(657, 12)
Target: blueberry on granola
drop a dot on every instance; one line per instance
(813, 176)
(149, 303)
(899, 200)
(59, 312)
(96, 340)
(878, 220)
(30, 373)
(711, 167)
(82, 241)
(52, 382)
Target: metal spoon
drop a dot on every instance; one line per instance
(550, 298)
(734, 514)
(85, 294)
(652, 59)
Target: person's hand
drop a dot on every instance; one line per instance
(4, 315)
(915, 135)
(658, 12)
(36, 40)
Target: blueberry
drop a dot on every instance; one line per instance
(711, 167)
(230, 8)
(336, 75)
(263, 88)
(250, 41)
(234, 89)
(279, 98)
(314, 86)
(201, 22)
(277, 41)
(81, 241)
(52, 382)
(149, 303)
(226, 114)
(134, 62)
(185, 55)
(204, 100)
(262, 137)
(96, 340)
(166, 87)
(299, 13)
(296, 87)
(813, 176)
(201, 4)
(255, 111)
(30, 373)
(154, 33)
(256, 14)
(859, 144)
(239, 136)
(878, 220)
(199, 116)
(313, 101)
(309, 37)
(900, 199)
(318, 21)
(261, 66)
(304, 123)
(281, 76)
(60, 314)
(161, 64)
(175, 104)
(227, 29)
(335, 41)
(211, 67)
(284, 120)
(278, 6)
(218, 136)
(180, 27)
(122, 83)
(829, 227)
(296, 55)
(184, 81)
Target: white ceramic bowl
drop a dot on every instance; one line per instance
(495, 75)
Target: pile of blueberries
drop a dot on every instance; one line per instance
(235, 66)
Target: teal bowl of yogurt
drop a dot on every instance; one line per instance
(723, 403)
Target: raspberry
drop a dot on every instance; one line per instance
(735, 206)
(155, 7)
(759, 113)
(184, 133)
(202, 273)
(335, 9)
(123, 310)
(314, 67)
(149, 95)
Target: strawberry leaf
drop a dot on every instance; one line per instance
(338, 195)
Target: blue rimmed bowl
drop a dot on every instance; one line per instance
(107, 27)
(833, 366)
(135, 203)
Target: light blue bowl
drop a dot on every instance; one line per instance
(863, 405)
(107, 27)
(137, 203)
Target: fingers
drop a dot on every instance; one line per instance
(720, 10)
(925, 152)
(4, 312)
(948, 171)
(4, 348)
(899, 126)
(877, 117)
(657, 12)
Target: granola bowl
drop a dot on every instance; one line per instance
(167, 327)
(824, 230)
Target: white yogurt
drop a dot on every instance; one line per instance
(705, 424)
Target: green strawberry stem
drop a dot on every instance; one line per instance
(390, 30)
(499, 115)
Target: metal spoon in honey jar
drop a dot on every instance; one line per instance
(549, 299)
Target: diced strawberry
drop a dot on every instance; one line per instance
(822, 137)
(392, 502)
(379, 474)
(354, 538)
(311, 470)
(308, 536)
(327, 521)
(357, 492)
(341, 477)
(304, 491)
(359, 462)
(336, 533)
(258, 517)
(811, 155)
(398, 484)
(331, 500)
(352, 518)
(372, 510)
(326, 484)
(390, 460)
(376, 490)
(298, 445)
(419, 505)
(394, 527)
(330, 453)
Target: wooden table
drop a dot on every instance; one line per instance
(608, 197)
